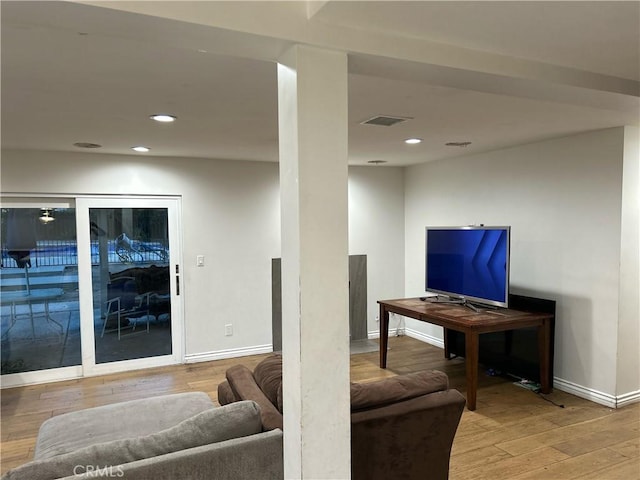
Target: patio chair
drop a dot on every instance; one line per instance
(124, 306)
(126, 250)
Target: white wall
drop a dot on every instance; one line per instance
(376, 228)
(562, 198)
(231, 215)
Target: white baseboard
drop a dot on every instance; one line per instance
(627, 399)
(584, 392)
(606, 399)
(409, 332)
(394, 332)
(435, 341)
(229, 353)
(601, 398)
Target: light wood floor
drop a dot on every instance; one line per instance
(513, 435)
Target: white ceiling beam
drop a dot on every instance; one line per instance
(272, 25)
(313, 7)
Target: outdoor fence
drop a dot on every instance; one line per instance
(65, 253)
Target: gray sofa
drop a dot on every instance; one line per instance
(167, 437)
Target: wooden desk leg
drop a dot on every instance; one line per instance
(384, 335)
(446, 343)
(544, 355)
(471, 365)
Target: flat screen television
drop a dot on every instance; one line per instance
(469, 264)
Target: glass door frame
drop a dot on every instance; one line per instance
(87, 330)
(82, 204)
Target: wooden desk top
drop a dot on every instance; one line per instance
(458, 317)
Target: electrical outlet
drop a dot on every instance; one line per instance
(228, 330)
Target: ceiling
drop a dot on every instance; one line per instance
(81, 73)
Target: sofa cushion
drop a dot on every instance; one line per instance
(225, 394)
(71, 431)
(396, 389)
(244, 387)
(211, 426)
(268, 375)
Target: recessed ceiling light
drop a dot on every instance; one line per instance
(163, 117)
(86, 145)
(413, 141)
(140, 149)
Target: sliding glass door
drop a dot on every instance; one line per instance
(129, 253)
(88, 286)
(39, 296)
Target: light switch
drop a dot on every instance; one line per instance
(200, 260)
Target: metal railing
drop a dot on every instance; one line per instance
(65, 253)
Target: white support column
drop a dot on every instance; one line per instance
(313, 110)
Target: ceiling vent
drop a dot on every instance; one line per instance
(385, 120)
(86, 145)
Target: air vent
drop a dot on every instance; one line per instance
(86, 145)
(458, 144)
(385, 120)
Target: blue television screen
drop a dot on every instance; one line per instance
(470, 263)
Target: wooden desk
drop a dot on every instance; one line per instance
(471, 324)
